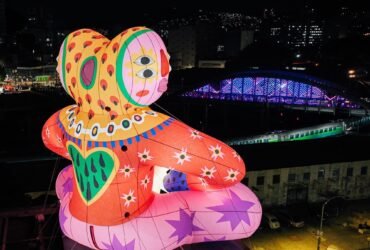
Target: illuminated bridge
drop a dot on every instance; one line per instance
(295, 90)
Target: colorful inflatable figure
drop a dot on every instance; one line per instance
(116, 143)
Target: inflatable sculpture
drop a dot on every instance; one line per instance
(116, 143)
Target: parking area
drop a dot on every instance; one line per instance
(305, 239)
(339, 232)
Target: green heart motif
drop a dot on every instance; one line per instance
(92, 173)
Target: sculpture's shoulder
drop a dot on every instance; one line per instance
(101, 127)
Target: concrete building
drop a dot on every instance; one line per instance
(285, 186)
(308, 171)
(204, 45)
(182, 47)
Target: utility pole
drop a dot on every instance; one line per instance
(321, 219)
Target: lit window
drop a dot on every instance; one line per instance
(220, 48)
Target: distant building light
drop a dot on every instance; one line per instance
(298, 68)
(220, 48)
(298, 55)
(351, 71)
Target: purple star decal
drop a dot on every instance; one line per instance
(116, 244)
(194, 228)
(228, 210)
(67, 186)
(209, 239)
(63, 218)
(184, 226)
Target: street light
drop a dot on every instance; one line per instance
(321, 218)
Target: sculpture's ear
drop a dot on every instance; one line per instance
(59, 69)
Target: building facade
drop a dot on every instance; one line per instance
(205, 45)
(313, 183)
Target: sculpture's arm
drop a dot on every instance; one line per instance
(208, 162)
(53, 137)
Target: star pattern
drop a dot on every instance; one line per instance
(47, 132)
(145, 181)
(216, 152)
(237, 156)
(208, 172)
(183, 227)
(127, 170)
(203, 181)
(232, 175)
(59, 140)
(182, 156)
(144, 156)
(227, 209)
(129, 198)
(195, 134)
(116, 244)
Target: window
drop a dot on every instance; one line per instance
(321, 173)
(349, 171)
(306, 176)
(260, 180)
(291, 177)
(336, 173)
(276, 179)
(364, 170)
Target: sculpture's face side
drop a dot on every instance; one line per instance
(129, 71)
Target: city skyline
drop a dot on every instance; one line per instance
(71, 14)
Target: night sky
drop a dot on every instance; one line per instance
(70, 14)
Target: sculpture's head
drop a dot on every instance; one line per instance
(114, 76)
